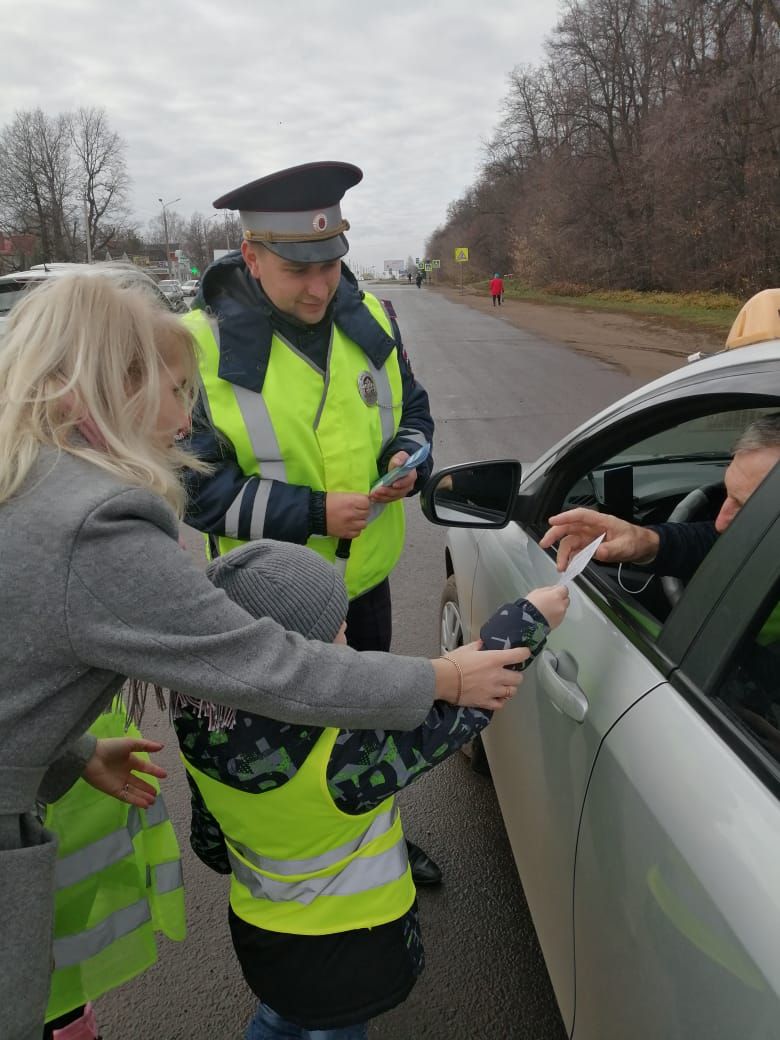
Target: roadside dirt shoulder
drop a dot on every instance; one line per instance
(642, 347)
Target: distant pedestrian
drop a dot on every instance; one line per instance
(419, 279)
(497, 289)
(409, 276)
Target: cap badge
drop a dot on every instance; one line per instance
(367, 388)
(320, 222)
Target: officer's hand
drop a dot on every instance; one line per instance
(402, 487)
(346, 514)
(623, 542)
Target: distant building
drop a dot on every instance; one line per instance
(17, 251)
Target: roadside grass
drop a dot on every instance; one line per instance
(711, 310)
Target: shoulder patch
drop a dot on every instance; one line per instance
(389, 309)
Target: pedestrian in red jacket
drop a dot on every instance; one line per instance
(497, 289)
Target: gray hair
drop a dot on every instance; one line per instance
(762, 433)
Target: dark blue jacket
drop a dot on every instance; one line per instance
(247, 324)
(682, 548)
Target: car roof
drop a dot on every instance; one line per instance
(41, 272)
(721, 365)
(112, 268)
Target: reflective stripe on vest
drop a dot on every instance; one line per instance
(359, 875)
(117, 880)
(73, 949)
(303, 866)
(168, 876)
(92, 858)
(327, 415)
(379, 825)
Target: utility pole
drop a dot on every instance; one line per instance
(165, 226)
(86, 230)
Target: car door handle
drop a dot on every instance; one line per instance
(558, 677)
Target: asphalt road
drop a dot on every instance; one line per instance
(496, 392)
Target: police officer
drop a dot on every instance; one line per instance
(307, 398)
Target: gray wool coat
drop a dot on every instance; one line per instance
(95, 588)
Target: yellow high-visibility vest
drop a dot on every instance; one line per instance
(303, 866)
(323, 432)
(118, 880)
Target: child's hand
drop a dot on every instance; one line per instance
(552, 601)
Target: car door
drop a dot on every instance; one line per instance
(676, 894)
(600, 662)
(542, 746)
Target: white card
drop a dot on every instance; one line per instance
(580, 561)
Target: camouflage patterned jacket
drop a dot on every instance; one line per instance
(366, 766)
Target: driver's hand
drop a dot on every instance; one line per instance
(623, 542)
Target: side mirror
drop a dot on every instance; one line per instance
(480, 494)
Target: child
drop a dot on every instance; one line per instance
(322, 905)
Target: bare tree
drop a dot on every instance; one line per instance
(643, 152)
(100, 175)
(177, 228)
(36, 181)
(50, 166)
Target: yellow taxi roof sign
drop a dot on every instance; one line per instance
(758, 321)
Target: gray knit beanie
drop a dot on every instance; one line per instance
(288, 583)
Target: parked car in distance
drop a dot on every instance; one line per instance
(191, 288)
(13, 286)
(171, 287)
(638, 768)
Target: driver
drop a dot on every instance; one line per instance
(674, 549)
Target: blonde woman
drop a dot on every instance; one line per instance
(96, 384)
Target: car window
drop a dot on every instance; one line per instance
(10, 294)
(749, 692)
(652, 480)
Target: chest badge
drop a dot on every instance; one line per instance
(367, 388)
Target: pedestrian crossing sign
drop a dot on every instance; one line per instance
(461, 255)
(436, 264)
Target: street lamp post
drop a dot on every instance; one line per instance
(213, 216)
(165, 226)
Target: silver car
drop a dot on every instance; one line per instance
(191, 287)
(171, 288)
(638, 768)
(14, 286)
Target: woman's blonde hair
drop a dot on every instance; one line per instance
(89, 347)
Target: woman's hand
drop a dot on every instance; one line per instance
(487, 679)
(114, 764)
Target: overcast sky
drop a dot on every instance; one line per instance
(210, 95)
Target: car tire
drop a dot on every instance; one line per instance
(450, 638)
